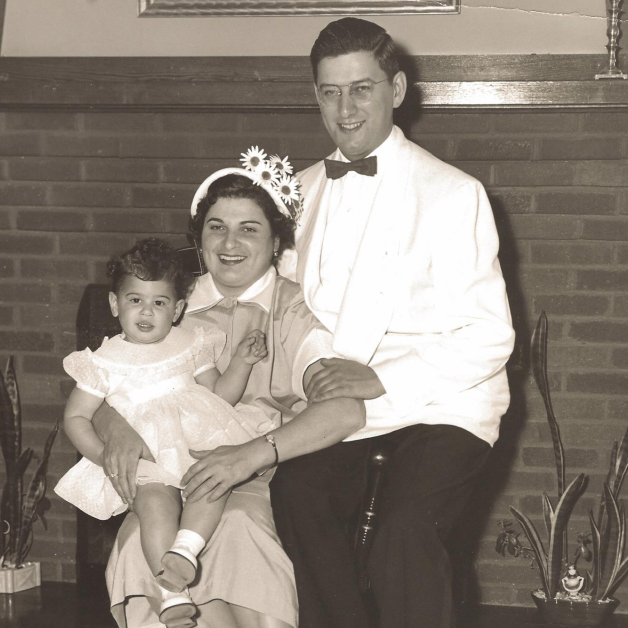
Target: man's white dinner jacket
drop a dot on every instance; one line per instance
(425, 305)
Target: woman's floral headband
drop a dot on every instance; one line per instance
(273, 174)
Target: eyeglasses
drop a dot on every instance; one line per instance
(360, 92)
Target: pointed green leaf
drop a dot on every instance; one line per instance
(10, 381)
(538, 355)
(10, 443)
(548, 512)
(9, 426)
(595, 545)
(620, 576)
(535, 543)
(555, 554)
(620, 467)
(36, 492)
(617, 526)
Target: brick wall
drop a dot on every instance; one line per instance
(76, 187)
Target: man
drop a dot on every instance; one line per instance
(397, 257)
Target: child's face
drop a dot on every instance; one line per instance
(146, 309)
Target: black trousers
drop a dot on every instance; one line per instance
(428, 482)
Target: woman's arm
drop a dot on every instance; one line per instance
(319, 426)
(79, 410)
(123, 448)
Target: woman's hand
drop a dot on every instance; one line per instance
(123, 449)
(219, 470)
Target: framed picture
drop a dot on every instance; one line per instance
(258, 8)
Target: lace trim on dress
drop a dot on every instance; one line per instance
(140, 370)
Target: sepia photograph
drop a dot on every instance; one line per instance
(368, 262)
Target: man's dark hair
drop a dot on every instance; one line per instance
(150, 259)
(351, 34)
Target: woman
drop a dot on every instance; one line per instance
(246, 580)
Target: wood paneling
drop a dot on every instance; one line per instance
(262, 83)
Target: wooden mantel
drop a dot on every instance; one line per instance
(284, 83)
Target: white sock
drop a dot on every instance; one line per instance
(190, 541)
(167, 595)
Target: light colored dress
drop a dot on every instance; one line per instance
(153, 387)
(243, 563)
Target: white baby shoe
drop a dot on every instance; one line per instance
(177, 609)
(179, 562)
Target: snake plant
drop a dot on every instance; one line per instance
(609, 564)
(18, 510)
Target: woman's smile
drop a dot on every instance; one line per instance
(231, 259)
(237, 244)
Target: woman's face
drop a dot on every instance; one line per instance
(238, 244)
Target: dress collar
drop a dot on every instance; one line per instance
(206, 295)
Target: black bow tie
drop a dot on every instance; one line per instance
(337, 169)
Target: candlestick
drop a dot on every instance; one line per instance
(614, 33)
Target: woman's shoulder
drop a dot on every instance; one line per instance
(287, 290)
(289, 300)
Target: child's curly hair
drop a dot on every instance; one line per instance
(150, 259)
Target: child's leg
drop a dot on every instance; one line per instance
(203, 517)
(198, 522)
(158, 507)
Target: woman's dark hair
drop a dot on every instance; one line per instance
(351, 34)
(150, 259)
(237, 186)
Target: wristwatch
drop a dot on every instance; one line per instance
(270, 439)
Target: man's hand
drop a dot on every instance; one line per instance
(343, 378)
(123, 449)
(216, 472)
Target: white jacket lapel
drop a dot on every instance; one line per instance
(368, 302)
(317, 189)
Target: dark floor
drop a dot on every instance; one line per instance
(56, 604)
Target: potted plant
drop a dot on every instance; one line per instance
(18, 510)
(568, 596)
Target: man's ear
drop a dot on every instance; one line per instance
(400, 85)
(113, 303)
(178, 308)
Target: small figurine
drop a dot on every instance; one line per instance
(573, 582)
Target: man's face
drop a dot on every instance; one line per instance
(359, 128)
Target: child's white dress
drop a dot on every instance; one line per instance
(152, 386)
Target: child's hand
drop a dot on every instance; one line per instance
(252, 348)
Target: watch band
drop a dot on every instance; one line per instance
(271, 439)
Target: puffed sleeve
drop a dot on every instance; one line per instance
(304, 341)
(90, 378)
(212, 343)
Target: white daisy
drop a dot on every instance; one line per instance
(288, 189)
(282, 165)
(265, 174)
(253, 158)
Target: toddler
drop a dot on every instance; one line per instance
(163, 381)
